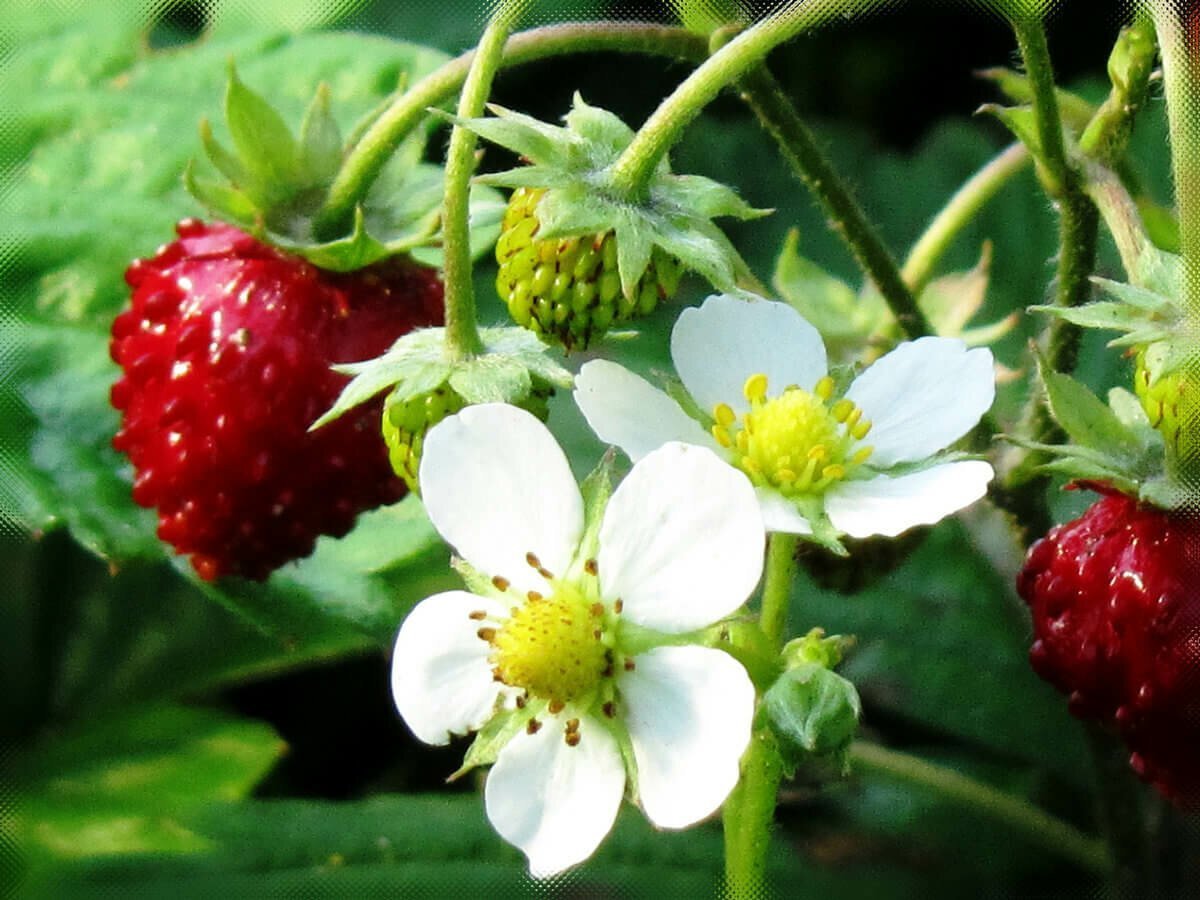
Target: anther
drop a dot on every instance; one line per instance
(755, 388)
(520, 701)
(534, 597)
(861, 430)
(532, 559)
(478, 615)
(833, 472)
(596, 609)
(533, 726)
(721, 436)
(618, 606)
(842, 409)
(609, 709)
(591, 567)
(572, 725)
(724, 415)
(546, 573)
(824, 388)
(572, 738)
(862, 455)
(818, 452)
(486, 634)
(500, 583)
(555, 707)
(852, 419)
(629, 666)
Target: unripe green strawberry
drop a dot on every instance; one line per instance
(569, 289)
(1161, 397)
(407, 421)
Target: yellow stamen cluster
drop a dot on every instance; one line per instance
(797, 442)
(552, 647)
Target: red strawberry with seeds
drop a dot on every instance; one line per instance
(226, 354)
(1115, 597)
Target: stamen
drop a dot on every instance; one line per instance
(824, 388)
(721, 436)
(629, 665)
(609, 709)
(861, 430)
(833, 472)
(852, 419)
(546, 573)
(724, 415)
(533, 726)
(755, 388)
(596, 609)
(478, 615)
(618, 606)
(500, 583)
(819, 452)
(572, 738)
(841, 410)
(532, 559)
(555, 707)
(862, 455)
(534, 597)
(486, 634)
(520, 701)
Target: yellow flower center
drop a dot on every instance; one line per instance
(552, 647)
(797, 442)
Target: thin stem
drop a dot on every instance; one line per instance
(776, 113)
(750, 809)
(377, 144)
(1031, 38)
(462, 333)
(1041, 828)
(958, 213)
(633, 169)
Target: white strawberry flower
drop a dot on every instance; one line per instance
(572, 653)
(861, 464)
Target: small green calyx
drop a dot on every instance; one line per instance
(274, 183)
(569, 193)
(553, 647)
(798, 442)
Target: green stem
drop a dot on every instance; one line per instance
(1041, 828)
(377, 144)
(1031, 39)
(750, 809)
(776, 113)
(462, 333)
(633, 169)
(1120, 812)
(958, 212)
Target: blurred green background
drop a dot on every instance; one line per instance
(163, 737)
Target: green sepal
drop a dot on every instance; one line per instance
(275, 185)
(572, 165)
(596, 490)
(1021, 121)
(817, 648)
(1086, 419)
(812, 711)
(513, 365)
(502, 727)
(1076, 111)
(823, 532)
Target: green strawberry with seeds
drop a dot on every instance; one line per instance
(570, 288)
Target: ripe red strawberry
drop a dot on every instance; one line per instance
(226, 354)
(1115, 597)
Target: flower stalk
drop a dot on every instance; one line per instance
(750, 810)
(462, 332)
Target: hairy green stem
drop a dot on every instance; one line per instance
(750, 809)
(1031, 39)
(462, 332)
(966, 203)
(763, 94)
(633, 169)
(1041, 828)
(377, 144)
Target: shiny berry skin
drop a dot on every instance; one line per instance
(225, 357)
(1115, 597)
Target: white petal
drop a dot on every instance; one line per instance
(689, 711)
(555, 802)
(888, 506)
(441, 680)
(780, 514)
(923, 396)
(497, 486)
(717, 346)
(628, 412)
(682, 540)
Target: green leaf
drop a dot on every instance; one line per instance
(125, 784)
(1021, 121)
(1085, 418)
(813, 711)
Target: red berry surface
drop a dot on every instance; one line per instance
(226, 356)
(1115, 597)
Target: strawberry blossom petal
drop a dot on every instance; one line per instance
(441, 678)
(718, 345)
(497, 487)
(553, 801)
(681, 544)
(888, 506)
(922, 397)
(627, 411)
(689, 716)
